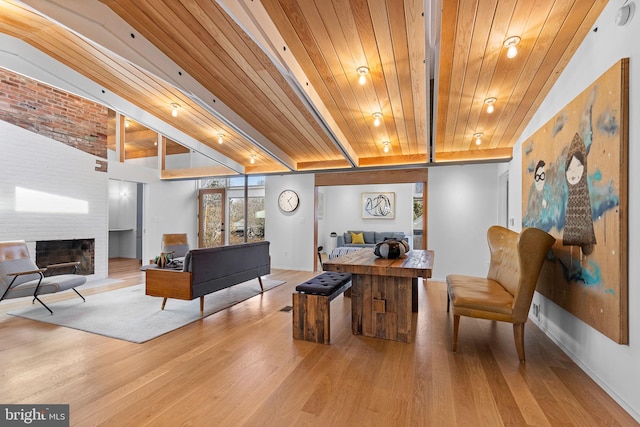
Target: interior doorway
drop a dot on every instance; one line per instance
(125, 219)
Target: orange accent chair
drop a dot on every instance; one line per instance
(177, 244)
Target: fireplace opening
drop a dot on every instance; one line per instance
(59, 251)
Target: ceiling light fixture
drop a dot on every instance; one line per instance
(490, 102)
(174, 109)
(511, 44)
(253, 159)
(220, 138)
(376, 119)
(362, 71)
(127, 122)
(387, 146)
(478, 137)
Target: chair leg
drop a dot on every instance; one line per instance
(518, 335)
(456, 324)
(261, 287)
(74, 290)
(164, 302)
(35, 298)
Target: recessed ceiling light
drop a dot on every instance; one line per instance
(220, 138)
(387, 146)
(478, 137)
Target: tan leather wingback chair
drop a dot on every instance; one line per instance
(506, 293)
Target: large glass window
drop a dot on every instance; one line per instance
(254, 222)
(253, 181)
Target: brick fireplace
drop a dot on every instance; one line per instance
(58, 251)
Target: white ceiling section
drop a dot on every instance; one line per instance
(278, 77)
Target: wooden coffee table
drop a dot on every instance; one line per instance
(384, 291)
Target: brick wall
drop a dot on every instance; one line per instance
(49, 252)
(53, 113)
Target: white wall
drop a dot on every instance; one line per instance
(291, 234)
(342, 210)
(615, 367)
(169, 207)
(463, 204)
(37, 163)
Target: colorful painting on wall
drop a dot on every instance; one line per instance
(574, 186)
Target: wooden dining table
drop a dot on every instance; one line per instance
(384, 292)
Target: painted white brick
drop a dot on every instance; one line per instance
(37, 163)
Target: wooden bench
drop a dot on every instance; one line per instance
(311, 314)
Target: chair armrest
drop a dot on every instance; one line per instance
(63, 264)
(22, 273)
(52, 267)
(17, 274)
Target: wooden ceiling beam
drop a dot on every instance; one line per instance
(495, 154)
(409, 175)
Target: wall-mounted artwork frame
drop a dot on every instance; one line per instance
(574, 186)
(320, 206)
(378, 205)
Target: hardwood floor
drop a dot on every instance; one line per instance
(241, 366)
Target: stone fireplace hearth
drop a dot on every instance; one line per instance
(58, 251)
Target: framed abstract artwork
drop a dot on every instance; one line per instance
(378, 205)
(574, 186)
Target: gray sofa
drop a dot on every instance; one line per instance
(370, 238)
(208, 270)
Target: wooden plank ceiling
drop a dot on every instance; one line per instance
(269, 63)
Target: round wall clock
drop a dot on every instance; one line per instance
(288, 200)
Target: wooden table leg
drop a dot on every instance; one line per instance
(382, 307)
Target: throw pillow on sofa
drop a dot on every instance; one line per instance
(357, 238)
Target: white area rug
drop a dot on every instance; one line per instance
(128, 314)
